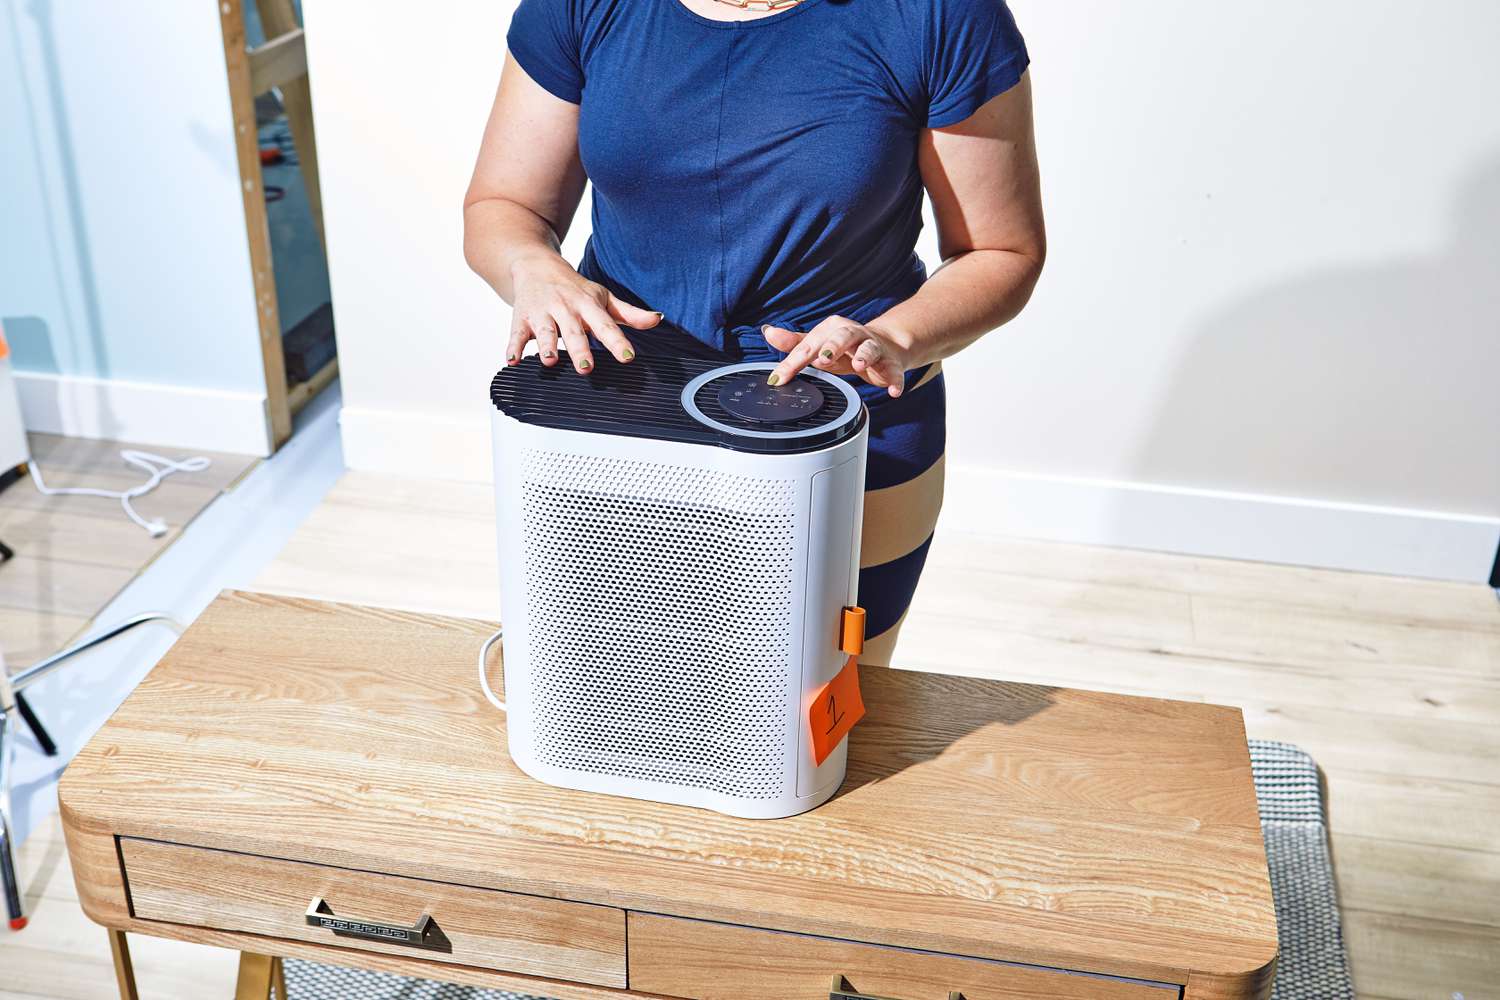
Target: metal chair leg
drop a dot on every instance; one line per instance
(11, 708)
(43, 738)
(10, 882)
(42, 668)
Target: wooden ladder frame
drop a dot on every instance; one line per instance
(281, 62)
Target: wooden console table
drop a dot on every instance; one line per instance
(291, 759)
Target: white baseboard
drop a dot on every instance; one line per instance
(416, 445)
(144, 413)
(1259, 527)
(1262, 528)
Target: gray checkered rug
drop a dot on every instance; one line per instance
(1293, 818)
(1312, 966)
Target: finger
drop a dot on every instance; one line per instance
(544, 328)
(520, 333)
(824, 342)
(781, 338)
(895, 378)
(866, 354)
(579, 352)
(800, 356)
(873, 364)
(602, 325)
(633, 316)
(836, 353)
(838, 366)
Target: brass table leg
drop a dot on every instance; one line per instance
(119, 950)
(257, 973)
(278, 978)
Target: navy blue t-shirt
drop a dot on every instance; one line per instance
(763, 171)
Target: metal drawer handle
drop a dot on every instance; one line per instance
(422, 934)
(843, 991)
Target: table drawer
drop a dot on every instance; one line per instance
(710, 961)
(486, 928)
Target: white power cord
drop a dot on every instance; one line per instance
(484, 680)
(155, 466)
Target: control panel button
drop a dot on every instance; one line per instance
(748, 396)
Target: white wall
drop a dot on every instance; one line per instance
(125, 286)
(1270, 325)
(419, 335)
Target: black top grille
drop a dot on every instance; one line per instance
(644, 399)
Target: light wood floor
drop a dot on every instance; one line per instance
(1393, 684)
(73, 554)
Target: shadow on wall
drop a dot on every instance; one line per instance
(73, 258)
(1372, 384)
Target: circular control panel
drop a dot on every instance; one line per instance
(814, 409)
(747, 396)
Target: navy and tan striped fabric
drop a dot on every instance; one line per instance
(903, 494)
(903, 480)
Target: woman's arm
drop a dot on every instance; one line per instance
(986, 196)
(526, 186)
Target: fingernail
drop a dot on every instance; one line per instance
(628, 355)
(763, 328)
(827, 352)
(550, 354)
(661, 315)
(774, 379)
(585, 365)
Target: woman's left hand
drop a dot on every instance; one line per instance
(840, 346)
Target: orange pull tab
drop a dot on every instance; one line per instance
(835, 709)
(852, 631)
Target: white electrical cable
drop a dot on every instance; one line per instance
(157, 467)
(484, 681)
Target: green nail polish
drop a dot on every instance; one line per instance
(585, 364)
(774, 379)
(628, 355)
(827, 352)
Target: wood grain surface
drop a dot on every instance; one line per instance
(709, 961)
(75, 553)
(481, 927)
(1013, 822)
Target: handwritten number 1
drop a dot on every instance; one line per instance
(834, 714)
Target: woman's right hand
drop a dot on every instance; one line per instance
(554, 302)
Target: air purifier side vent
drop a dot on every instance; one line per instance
(661, 620)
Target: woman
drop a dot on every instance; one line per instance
(758, 178)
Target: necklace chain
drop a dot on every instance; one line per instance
(761, 4)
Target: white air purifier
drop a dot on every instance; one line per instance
(679, 548)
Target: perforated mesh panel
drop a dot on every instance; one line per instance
(660, 621)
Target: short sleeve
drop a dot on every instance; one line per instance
(974, 52)
(544, 38)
